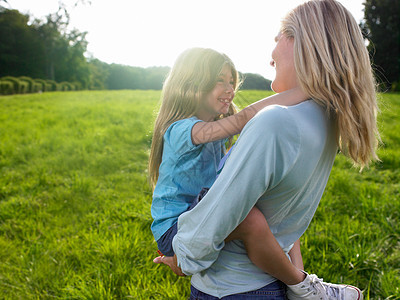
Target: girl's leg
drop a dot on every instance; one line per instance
(264, 250)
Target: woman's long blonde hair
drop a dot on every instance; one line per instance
(333, 67)
(192, 77)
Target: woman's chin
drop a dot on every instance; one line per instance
(279, 88)
(275, 87)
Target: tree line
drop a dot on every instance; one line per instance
(47, 50)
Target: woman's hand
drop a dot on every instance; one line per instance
(171, 262)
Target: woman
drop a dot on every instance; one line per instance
(284, 170)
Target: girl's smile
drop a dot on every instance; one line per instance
(219, 100)
(226, 102)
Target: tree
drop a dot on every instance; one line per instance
(44, 49)
(382, 29)
(255, 82)
(99, 72)
(64, 50)
(155, 77)
(20, 49)
(124, 77)
(127, 77)
(54, 46)
(76, 67)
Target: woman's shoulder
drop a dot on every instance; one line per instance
(273, 116)
(278, 115)
(276, 123)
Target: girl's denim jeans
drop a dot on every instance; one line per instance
(273, 291)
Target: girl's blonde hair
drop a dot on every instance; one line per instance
(192, 77)
(333, 67)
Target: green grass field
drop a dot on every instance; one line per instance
(75, 203)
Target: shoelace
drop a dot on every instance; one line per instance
(327, 291)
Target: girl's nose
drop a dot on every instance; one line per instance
(229, 89)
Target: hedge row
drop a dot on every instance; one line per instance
(22, 85)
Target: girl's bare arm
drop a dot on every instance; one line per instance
(205, 132)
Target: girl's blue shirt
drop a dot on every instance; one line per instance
(185, 169)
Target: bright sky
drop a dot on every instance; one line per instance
(147, 33)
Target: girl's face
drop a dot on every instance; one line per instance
(218, 101)
(283, 62)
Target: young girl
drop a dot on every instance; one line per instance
(195, 119)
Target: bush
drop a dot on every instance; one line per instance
(67, 86)
(24, 84)
(42, 85)
(37, 87)
(6, 87)
(19, 86)
(45, 85)
(34, 85)
(77, 86)
(14, 81)
(23, 87)
(29, 81)
(53, 86)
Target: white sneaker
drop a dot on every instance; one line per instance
(314, 288)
